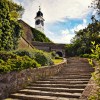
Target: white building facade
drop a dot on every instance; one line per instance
(39, 21)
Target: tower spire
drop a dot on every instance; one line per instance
(39, 8)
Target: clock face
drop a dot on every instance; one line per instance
(37, 22)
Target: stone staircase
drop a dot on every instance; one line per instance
(68, 84)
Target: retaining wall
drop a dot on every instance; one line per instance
(14, 81)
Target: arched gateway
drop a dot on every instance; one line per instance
(58, 48)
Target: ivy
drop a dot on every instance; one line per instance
(10, 30)
(96, 74)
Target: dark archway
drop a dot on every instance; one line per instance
(59, 53)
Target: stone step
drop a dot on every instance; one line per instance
(71, 71)
(73, 75)
(83, 74)
(68, 84)
(70, 77)
(64, 79)
(39, 97)
(79, 66)
(11, 99)
(78, 86)
(61, 82)
(78, 62)
(56, 89)
(48, 93)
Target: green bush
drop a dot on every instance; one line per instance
(11, 62)
(6, 55)
(24, 52)
(96, 75)
(53, 54)
(18, 64)
(85, 55)
(23, 59)
(41, 57)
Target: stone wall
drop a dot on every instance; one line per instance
(90, 89)
(27, 32)
(23, 44)
(14, 81)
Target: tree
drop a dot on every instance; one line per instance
(10, 30)
(81, 43)
(96, 6)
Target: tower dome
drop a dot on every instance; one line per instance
(39, 13)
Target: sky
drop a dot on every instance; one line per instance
(62, 17)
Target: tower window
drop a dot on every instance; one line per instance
(42, 22)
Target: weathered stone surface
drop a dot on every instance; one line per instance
(68, 84)
(14, 81)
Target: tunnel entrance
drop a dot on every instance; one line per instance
(59, 53)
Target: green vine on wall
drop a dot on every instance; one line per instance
(96, 75)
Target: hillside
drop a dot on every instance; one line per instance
(39, 36)
(31, 34)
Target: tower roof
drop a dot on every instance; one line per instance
(39, 13)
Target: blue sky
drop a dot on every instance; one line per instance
(62, 17)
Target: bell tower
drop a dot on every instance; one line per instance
(39, 21)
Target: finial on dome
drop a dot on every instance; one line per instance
(39, 8)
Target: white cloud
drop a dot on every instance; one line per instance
(54, 10)
(63, 37)
(80, 26)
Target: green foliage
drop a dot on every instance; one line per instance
(6, 55)
(96, 74)
(11, 62)
(10, 29)
(24, 53)
(53, 54)
(39, 36)
(81, 43)
(85, 56)
(96, 6)
(41, 57)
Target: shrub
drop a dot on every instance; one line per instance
(41, 57)
(12, 62)
(6, 55)
(96, 75)
(85, 55)
(53, 54)
(4, 68)
(17, 64)
(24, 52)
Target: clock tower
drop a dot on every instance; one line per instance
(39, 21)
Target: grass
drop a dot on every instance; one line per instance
(57, 61)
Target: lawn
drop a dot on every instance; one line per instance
(57, 61)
